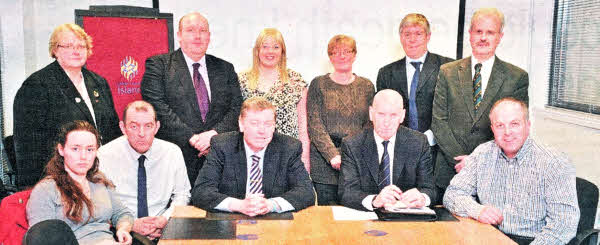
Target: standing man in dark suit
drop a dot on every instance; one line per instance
(254, 171)
(415, 75)
(387, 164)
(196, 96)
(465, 92)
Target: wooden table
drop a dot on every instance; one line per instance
(315, 225)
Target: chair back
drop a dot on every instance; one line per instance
(587, 196)
(13, 224)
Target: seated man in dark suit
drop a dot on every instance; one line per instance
(255, 171)
(387, 164)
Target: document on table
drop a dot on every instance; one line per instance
(400, 207)
(344, 213)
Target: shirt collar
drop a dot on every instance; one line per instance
(379, 140)
(420, 59)
(136, 155)
(190, 62)
(488, 63)
(250, 152)
(524, 149)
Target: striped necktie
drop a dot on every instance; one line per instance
(255, 176)
(477, 92)
(384, 168)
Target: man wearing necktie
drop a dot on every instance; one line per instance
(387, 164)
(255, 171)
(415, 75)
(465, 92)
(196, 95)
(149, 174)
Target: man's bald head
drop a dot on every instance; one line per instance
(387, 113)
(388, 96)
(194, 15)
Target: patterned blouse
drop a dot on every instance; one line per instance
(284, 96)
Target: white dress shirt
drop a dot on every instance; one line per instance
(279, 204)
(486, 70)
(82, 89)
(368, 201)
(202, 69)
(166, 174)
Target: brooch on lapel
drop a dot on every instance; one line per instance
(96, 94)
(77, 99)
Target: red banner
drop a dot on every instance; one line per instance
(121, 46)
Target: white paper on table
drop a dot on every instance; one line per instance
(344, 213)
(405, 210)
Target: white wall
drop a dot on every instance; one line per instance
(308, 25)
(25, 28)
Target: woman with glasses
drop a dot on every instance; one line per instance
(61, 92)
(337, 106)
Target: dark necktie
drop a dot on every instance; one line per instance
(477, 92)
(201, 92)
(384, 168)
(142, 198)
(255, 176)
(413, 115)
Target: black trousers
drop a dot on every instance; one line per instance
(50, 232)
(326, 194)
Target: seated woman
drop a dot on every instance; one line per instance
(270, 78)
(337, 106)
(75, 192)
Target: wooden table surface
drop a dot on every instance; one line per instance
(315, 225)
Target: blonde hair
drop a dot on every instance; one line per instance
(75, 29)
(339, 40)
(257, 103)
(493, 12)
(415, 19)
(254, 73)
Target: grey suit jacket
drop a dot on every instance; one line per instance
(225, 172)
(393, 76)
(359, 174)
(168, 86)
(456, 126)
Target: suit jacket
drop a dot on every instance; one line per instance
(359, 174)
(393, 76)
(225, 172)
(168, 86)
(48, 99)
(458, 129)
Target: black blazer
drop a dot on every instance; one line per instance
(168, 86)
(359, 174)
(393, 76)
(457, 128)
(45, 101)
(225, 172)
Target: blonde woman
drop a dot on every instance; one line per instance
(270, 78)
